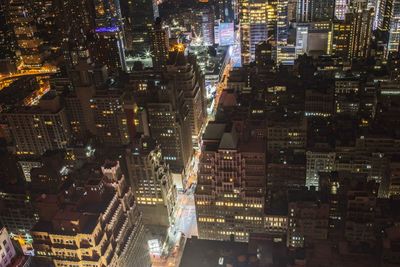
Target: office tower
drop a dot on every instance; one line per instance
(292, 10)
(230, 193)
(342, 7)
(282, 25)
(84, 77)
(315, 10)
(322, 10)
(37, 129)
(95, 222)
(107, 45)
(152, 186)
(383, 15)
(159, 45)
(170, 126)
(163, 114)
(184, 73)
(317, 162)
(257, 24)
(303, 10)
(394, 28)
(19, 15)
(341, 38)
(139, 18)
(361, 31)
(307, 218)
(205, 28)
(110, 117)
(226, 10)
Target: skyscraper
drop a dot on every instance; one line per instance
(152, 186)
(139, 17)
(159, 45)
(37, 129)
(257, 24)
(361, 31)
(341, 38)
(108, 45)
(383, 15)
(230, 194)
(394, 28)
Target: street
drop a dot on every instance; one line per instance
(185, 212)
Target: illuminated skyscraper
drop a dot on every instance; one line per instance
(37, 129)
(341, 8)
(159, 45)
(257, 23)
(230, 194)
(152, 185)
(108, 47)
(383, 15)
(341, 38)
(361, 31)
(394, 28)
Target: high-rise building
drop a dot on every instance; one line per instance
(162, 113)
(110, 117)
(19, 14)
(100, 225)
(342, 7)
(152, 186)
(230, 194)
(394, 28)
(226, 10)
(184, 73)
(383, 15)
(159, 45)
(36, 129)
(139, 18)
(322, 10)
(361, 32)
(341, 38)
(257, 23)
(108, 44)
(206, 21)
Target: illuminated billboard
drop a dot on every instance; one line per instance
(226, 34)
